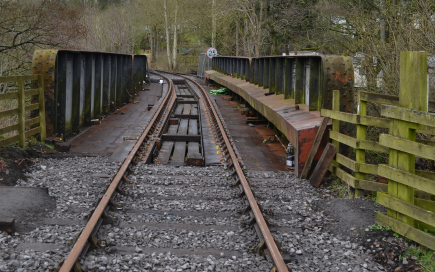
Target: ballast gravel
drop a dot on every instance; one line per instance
(158, 194)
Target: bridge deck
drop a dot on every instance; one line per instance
(107, 138)
(299, 126)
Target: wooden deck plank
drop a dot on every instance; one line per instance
(182, 129)
(173, 129)
(193, 127)
(194, 110)
(179, 109)
(165, 153)
(192, 147)
(187, 108)
(179, 154)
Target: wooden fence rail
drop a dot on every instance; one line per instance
(22, 108)
(409, 193)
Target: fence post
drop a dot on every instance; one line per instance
(21, 113)
(41, 108)
(335, 122)
(360, 135)
(413, 95)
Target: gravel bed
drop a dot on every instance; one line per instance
(149, 217)
(184, 233)
(310, 248)
(169, 262)
(76, 184)
(179, 238)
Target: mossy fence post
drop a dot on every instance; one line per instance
(413, 94)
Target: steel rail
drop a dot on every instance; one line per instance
(270, 242)
(80, 244)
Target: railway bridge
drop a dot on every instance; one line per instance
(160, 174)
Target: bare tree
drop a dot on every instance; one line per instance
(26, 26)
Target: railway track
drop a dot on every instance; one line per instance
(159, 208)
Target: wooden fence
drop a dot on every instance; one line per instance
(409, 193)
(22, 108)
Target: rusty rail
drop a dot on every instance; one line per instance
(270, 242)
(82, 240)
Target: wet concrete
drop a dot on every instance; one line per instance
(107, 138)
(24, 204)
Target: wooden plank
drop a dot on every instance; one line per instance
(173, 129)
(413, 94)
(31, 92)
(371, 145)
(29, 77)
(8, 79)
(425, 142)
(407, 178)
(357, 119)
(32, 121)
(429, 130)
(9, 140)
(315, 147)
(406, 208)
(410, 147)
(193, 147)
(358, 183)
(409, 115)
(21, 113)
(179, 109)
(368, 168)
(344, 176)
(379, 98)
(425, 204)
(335, 123)
(193, 127)
(348, 163)
(344, 139)
(360, 144)
(182, 129)
(181, 138)
(408, 231)
(374, 121)
(8, 129)
(186, 109)
(187, 116)
(187, 101)
(186, 95)
(7, 225)
(194, 111)
(371, 186)
(342, 116)
(323, 165)
(179, 154)
(32, 132)
(11, 95)
(360, 154)
(165, 153)
(7, 113)
(32, 107)
(425, 174)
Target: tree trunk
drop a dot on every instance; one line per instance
(237, 37)
(168, 49)
(245, 38)
(258, 32)
(213, 32)
(382, 21)
(151, 41)
(156, 44)
(174, 52)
